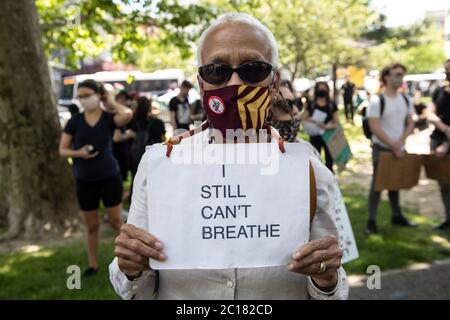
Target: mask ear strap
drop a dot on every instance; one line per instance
(273, 79)
(291, 109)
(177, 139)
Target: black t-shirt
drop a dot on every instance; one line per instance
(155, 130)
(328, 109)
(154, 126)
(419, 108)
(441, 99)
(197, 107)
(349, 89)
(104, 165)
(182, 112)
(122, 148)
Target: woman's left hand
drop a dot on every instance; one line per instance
(320, 259)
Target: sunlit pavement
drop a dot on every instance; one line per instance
(419, 281)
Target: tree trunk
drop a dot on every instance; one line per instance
(36, 185)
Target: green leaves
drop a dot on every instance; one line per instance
(85, 29)
(311, 34)
(419, 46)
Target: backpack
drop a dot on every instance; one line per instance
(365, 122)
(139, 143)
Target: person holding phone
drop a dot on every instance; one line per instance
(88, 138)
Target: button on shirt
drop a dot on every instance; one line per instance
(228, 284)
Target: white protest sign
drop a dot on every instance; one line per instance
(312, 128)
(319, 116)
(346, 238)
(225, 213)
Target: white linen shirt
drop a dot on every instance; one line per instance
(264, 283)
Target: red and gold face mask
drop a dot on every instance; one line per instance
(237, 107)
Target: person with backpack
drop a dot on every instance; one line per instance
(440, 138)
(322, 113)
(390, 122)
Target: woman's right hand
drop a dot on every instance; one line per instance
(84, 153)
(133, 248)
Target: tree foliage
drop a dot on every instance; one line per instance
(419, 46)
(76, 30)
(311, 34)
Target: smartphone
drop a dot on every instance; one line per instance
(91, 149)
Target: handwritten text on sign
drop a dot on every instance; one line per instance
(346, 238)
(228, 215)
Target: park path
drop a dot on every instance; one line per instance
(417, 282)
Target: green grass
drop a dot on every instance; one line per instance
(393, 247)
(42, 274)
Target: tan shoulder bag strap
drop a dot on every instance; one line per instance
(312, 193)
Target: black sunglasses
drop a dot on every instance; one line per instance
(250, 72)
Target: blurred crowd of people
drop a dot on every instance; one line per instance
(389, 116)
(108, 138)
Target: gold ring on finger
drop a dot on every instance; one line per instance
(323, 267)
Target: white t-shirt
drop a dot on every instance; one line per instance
(394, 116)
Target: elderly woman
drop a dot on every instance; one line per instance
(235, 50)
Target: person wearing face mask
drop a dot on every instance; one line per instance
(87, 138)
(391, 122)
(180, 111)
(440, 138)
(285, 116)
(323, 113)
(238, 78)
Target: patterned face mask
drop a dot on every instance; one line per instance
(237, 107)
(288, 129)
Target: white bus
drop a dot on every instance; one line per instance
(152, 84)
(159, 85)
(425, 83)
